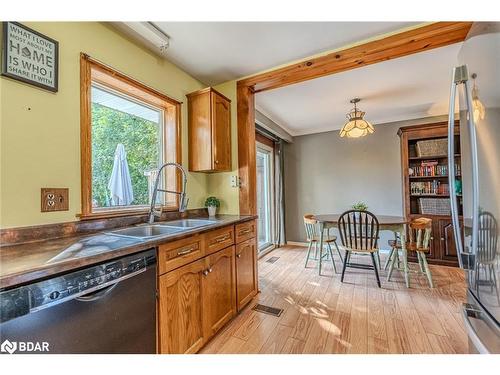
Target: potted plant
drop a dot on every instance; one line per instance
(212, 203)
(360, 206)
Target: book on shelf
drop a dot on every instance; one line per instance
(432, 168)
(433, 187)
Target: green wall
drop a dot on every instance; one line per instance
(40, 130)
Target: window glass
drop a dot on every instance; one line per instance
(126, 137)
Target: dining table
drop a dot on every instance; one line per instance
(396, 224)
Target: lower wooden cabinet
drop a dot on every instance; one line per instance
(219, 291)
(197, 299)
(181, 309)
(246, 272)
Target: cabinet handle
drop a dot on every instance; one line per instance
(245, 231)
(205, 272)
(216, 162)
(442, 238)
(222, 238)
(210, 270)
(238, 255)
(186, 251)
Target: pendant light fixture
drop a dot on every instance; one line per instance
(356, 126)
(477, 106)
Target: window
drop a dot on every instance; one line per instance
(128, 130)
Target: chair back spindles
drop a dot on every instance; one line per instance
(488, 238)
(359, 230)
(420, 232)
(310, 225)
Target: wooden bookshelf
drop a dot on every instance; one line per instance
(426, 177)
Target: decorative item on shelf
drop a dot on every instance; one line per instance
(212, 203)
(360, 206)
(357, 126)
(478, 107)
(432, 147)
(458, 187)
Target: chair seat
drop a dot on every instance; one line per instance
(326, 238)
(412, 246)
(357, 250)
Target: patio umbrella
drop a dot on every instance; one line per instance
(120, 184)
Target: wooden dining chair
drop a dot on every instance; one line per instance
(312, 235)
(359, 234)
(486, 256)
(420, 231)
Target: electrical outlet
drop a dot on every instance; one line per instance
(235, 181)
(55, 199)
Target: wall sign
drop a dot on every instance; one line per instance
(29, 56)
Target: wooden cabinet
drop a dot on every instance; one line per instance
(209, 117)
(246, 272)
(203, 281)
(219, 286)
(430, 173)
(181, 310)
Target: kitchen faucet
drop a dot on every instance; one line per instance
(183, 202)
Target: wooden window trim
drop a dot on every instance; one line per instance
(92, 70)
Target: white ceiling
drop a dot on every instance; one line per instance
(216, 52)
(409, 87)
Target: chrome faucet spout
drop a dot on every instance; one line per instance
(183, 201)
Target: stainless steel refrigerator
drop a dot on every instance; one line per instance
(475, 102)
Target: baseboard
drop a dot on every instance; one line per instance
(295, 243)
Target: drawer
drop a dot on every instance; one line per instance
(245, 231)
(219, 239)
(175, 254)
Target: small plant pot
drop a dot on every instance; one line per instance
(212, 210)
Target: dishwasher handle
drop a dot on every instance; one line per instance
(98, 294)
(101, 291)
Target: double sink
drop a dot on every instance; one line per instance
(166, 228)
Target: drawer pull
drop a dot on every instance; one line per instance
(245, 231)
(222, 238)
(186, 251)
(205, 272)
(238, 255)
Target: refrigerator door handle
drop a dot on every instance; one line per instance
(475, 167)
(457, 78)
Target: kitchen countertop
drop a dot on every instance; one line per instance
(24, 263)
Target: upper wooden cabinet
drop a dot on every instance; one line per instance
(209, 115)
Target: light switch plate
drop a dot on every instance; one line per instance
(55, 199)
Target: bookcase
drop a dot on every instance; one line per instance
(424, 163)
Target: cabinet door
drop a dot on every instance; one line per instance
(221, 133)
(246, 272)
(447, 239)
(181, 309)
(219, 286)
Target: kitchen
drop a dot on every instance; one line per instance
(110, 223)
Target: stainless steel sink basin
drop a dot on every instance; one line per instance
(146, 231)
(188, 223)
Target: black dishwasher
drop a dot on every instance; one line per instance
(105, 308)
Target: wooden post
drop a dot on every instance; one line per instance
(246, 150)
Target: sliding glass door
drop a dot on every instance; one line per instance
(265, 202)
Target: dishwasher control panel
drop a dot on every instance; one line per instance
(42, 294)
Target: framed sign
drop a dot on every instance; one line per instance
(29, 56)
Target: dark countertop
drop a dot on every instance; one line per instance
(23, 263)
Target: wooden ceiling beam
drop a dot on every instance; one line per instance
(438, 34)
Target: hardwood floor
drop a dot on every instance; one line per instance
(323, 315)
